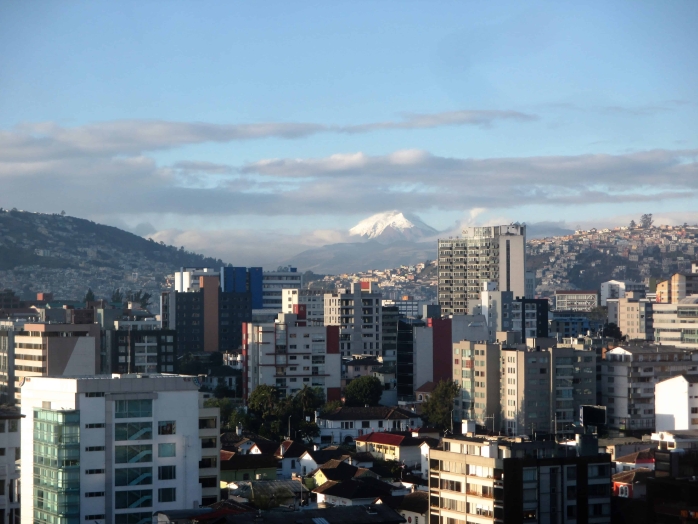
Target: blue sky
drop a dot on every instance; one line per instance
(128, 113)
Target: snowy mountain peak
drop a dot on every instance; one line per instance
(391, 226)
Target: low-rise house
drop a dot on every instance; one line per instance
(414, 507)
(401, 447)
(347, 423)
(639, 459)
(339, 470)
(238, 466)
(311, 459)
(620, 446)
(631, 484)
(353, 492)
(289, 453)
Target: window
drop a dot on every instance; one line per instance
(572, 473)
(133, 431)
(99, 516)
(92, 426)
(167, 494)
(133, 408)
(133, 454)
(208, 462)
(135, 498)
(94, 494)
(167, 472)
(208, 482)
(208, 442)
(13, 426)
(380, 423)
(94, 471)
(207, 423)
(166, 427)
(167, 450)
(529, 474)
(133, 476)
(94, 448)
(95, 394)
(365, 424)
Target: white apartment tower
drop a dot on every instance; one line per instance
(482, 254)
(111, 449)
(312, 299)
(290, 354)
(358, 312)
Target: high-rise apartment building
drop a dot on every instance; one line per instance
(544, 386)
(312, 299)
(290, 354)
(357, 311)
(618, 289)
(482, 254)
(677, 324)
(476, 369)
(139, 347)
(676, 288)
(634, 316)
(515, 480)
(566, 300)
(390, 315)
(42, 350)
(205, 317)
(628, 378)
(112, 449)
(9, 465)
(273, 284)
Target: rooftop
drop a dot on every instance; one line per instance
(370, 413)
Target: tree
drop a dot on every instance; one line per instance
(613, 331)
(633, 225)
(117, 296)
(363, 391)
(263, 400)
(438, 408)
(309, 399)
(331, 407)
(598, 313)
(89, 296)
(646, 221)
(141, 298)
(225, 405)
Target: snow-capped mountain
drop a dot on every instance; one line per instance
(392, 226)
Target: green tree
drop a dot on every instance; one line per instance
(363, 391)
(613, 331)
(89, 296)
(633, 225)
(646, 221)
(225, 405)
(437, 409)
(598, 313)
(330, 407)
(140, 297)
(309, 399)
(263, 401)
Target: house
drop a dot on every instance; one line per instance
(620, 446)
(639, 459)
(289, 453)
(631, 484)
(402, 447)
(339, 470)
(353, 492)
(423, 392)
(312, 459)
(237, 466)
(414, 507)
(261, 446)
(345, 424)
(272, 493)
(243, 443)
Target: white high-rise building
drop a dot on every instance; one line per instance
(676, 403)
(358, 312)
(312, 299)
(618, 289)
(273, 284)
(482, 254)
(112, 449)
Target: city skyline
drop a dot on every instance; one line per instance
(216, 126)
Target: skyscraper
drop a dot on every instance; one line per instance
(482, 254)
